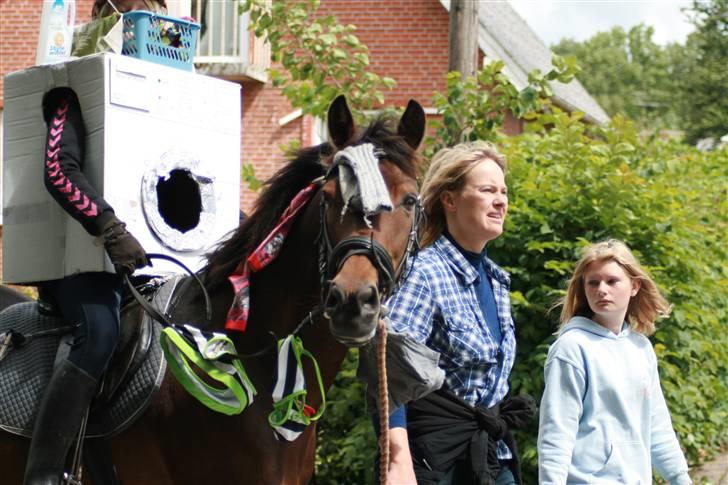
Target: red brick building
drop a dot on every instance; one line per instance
(407, 40)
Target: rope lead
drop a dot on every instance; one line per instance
(383, 402)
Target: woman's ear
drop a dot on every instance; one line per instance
(448, 201)
(636, 285)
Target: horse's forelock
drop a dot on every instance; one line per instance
(382, 134)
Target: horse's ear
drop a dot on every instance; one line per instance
(340, 122)
(412, 124)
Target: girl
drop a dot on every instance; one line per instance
(603, 415)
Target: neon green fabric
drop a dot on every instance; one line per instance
(238, 390)
(291, 407)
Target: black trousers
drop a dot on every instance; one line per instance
(91, 300)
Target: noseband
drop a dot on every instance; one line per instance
(332, 257)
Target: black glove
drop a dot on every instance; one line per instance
(123, 249)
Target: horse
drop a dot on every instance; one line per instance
(335, 267)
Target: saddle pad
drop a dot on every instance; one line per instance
(25, 372)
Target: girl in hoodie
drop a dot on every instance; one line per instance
(603, 416)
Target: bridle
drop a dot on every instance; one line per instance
(332, 257)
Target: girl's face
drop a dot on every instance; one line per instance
(476, 213)
(608, 291)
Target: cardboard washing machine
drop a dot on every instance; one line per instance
(162, 148)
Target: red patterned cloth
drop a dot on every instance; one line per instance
(237, 318)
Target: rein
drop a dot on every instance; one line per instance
(164, 318)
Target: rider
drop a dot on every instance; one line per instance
(92, 299)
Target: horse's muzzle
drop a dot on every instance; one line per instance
(352, 316)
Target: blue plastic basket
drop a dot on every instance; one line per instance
(160, 39)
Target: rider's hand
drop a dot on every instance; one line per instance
(124, 250)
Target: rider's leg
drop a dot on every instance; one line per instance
(91, 299)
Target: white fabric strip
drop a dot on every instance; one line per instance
(359, 174)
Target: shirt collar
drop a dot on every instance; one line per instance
(463, 268)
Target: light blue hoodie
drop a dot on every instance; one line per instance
(603, 416)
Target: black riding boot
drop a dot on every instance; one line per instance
(64, 404)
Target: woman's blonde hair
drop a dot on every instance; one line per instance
(644, 308)
(447, 172)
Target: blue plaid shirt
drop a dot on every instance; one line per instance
(438, 306)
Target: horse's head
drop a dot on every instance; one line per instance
(369, 215)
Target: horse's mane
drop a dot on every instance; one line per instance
(307, 164)
(278, 191)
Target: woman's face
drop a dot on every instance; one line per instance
(608, 290)
(476, 213)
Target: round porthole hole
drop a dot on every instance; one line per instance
(178, 200)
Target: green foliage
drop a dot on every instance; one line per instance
(249, 177)
(320, 57)
(704, 84)
(475, 108)
(570, 185)
(346, 442)
(629, 74)
(674, 86)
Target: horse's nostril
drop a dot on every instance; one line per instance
(334, 299)
(368, 295)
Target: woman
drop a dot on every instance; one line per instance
(455, 300)
(603, 415)
(90, 300)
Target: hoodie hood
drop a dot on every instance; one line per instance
(588, 325)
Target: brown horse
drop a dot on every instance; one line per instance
(331, 261)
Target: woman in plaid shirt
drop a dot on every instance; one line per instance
(456, 301)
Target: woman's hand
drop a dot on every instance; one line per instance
(401, 470)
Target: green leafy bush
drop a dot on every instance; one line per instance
(346, 442)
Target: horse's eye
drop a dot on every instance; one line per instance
(410, 201)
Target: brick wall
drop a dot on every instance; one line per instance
(262, 137)
(407, 41)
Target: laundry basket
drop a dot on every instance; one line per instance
(160, 39)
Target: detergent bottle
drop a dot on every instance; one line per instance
(56, 31)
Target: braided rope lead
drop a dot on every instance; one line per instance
(383, 402)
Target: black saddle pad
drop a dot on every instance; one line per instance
(25, 372)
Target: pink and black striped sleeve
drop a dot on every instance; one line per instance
(64, 159)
